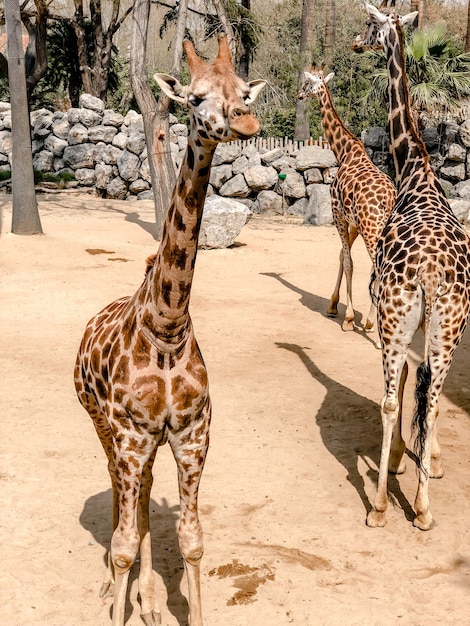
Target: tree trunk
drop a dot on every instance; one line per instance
(423, 13)
(25, 219)
(330, 29)
(467, 37)
(222, 15)
(244, 62)
(155, 115)
(302, 125)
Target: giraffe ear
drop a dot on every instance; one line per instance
(172, 88)
(329, 77)
(375, 15)
(409, 19)
(255, 88)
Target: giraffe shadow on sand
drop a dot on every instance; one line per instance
(167, 559)
(351, 431)
(318, 304)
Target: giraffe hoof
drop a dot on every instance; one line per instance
(438, 472)
(369, 327)
(106, 590)
(376, 519)
(424, 521)
(332, 313)
(154, 618)
(347, 325)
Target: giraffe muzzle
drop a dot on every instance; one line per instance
(243, 122)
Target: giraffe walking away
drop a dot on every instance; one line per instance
(139, 372)
(423, 272)
(362, 196)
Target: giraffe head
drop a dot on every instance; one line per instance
(314, 83)
(217, 99)
(379, 25)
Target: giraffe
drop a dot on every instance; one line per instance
(139, 372)
(362, 196)
(423, 271)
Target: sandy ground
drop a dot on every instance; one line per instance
(295, 438)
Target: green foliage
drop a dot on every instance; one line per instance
(59, 179)
(437, 68)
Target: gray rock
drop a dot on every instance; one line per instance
(80, 156)
(220, 174)
(222, 221)
(235, 187)
(270, 202)
(314, 156)
(464, 133)
(226, 153)
(293, 186)
(111, 118)
(259, 177)
(77, 134)
(240, 165)
(135, 141)
(318, 210)
(43, 161)
(102, 133)
(87, 101)
(457, 153)
(329, 174)
(85, 177)
(299, 207)
(139, 185)
(61, 127)
(462, 189)
(128, 165)
(117, 189)
(452, 171)
(313, 175)
(376, 138)
(55, 145)
(89, 118)
(103, 175)
(6, 141)
(268, 158)
(461, 209)
(120, 140)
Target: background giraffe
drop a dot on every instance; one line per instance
(139, 372)
(423, 272)
(362, 196)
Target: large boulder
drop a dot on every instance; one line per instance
(222, 221)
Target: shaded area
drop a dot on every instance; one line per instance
(96, 517)
(318, 304)
(457, 384)
(350, 429)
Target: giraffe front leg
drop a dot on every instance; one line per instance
(190, 449)
(150, 610)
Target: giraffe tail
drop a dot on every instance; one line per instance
(435, 282)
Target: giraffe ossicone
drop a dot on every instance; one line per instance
(139, 372)
(423, 278)
(362, 196)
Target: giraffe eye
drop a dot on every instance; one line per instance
(195, 101)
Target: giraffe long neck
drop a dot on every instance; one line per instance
(339, 137)
(167, 288)
(408, 150)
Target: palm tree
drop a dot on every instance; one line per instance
(438, 74)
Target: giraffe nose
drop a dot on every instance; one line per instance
(243, 122)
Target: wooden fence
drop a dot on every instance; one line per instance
(289, 145)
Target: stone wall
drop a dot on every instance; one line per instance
(107, 151)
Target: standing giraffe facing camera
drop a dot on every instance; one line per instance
(423, 271)
(139, 372)
(362, 196)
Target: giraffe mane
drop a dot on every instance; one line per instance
(150, 263)
(406, 92)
